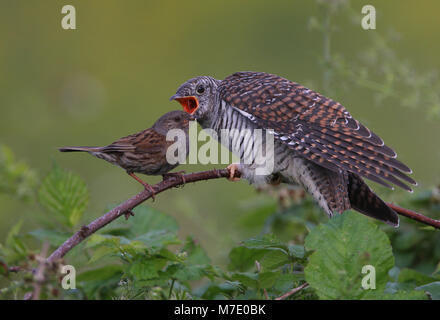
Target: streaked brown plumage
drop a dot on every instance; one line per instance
(318, 144)
(145, 151)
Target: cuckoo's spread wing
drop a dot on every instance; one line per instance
(318, 128)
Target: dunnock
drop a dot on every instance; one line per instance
(144, 152)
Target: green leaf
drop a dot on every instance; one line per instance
(242, 258)
(149, 229)
(254, 280)
(147, 219)
(248, 279)
(158, 239)
(343, 246)
(399, 295)
(54, 237)
(267, 250)
(410, 280)
(167, 254)
(191, 272)
(100, 274)
(13, 234)
(64, 195)
(414, 277)
(256, 213)
(297, 251)
(220, 291)
(263, 242)
(268, 278)
(16, 178)
(99, 239)
(146, 269)
(101, 252)
(433, 289)
(14, 241)
(274, 258)
(286, 281)
(195, 253)
(195, 263)
(100, 280)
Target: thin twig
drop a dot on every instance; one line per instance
(166, 184)
(171, 288)
(40, 273)
(266, 296)
(415, 216)
(293, 291)
(258, 267)
(15, 269)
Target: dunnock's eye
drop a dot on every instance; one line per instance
(200, 89)
(177, 119)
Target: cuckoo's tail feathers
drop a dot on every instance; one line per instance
(79, 149)
(364, 200)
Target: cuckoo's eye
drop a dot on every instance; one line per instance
(200, 89)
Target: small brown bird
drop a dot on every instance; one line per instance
(144, 152)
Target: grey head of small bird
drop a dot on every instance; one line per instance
(172, 120)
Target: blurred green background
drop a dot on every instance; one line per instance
(114, 74)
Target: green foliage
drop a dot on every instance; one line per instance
(147, 261)
(410, 235)
(432, 289)
(267, 250)
(14, 249)
(54, 237)
(144, 257)
(342, 247)
(377, 69)
(64, 196)
(16, 178)
(265, 265)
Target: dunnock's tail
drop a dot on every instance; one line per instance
(84, 149)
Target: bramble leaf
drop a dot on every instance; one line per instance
(16, 178)
(433, 289)
(343, 246)
(64, 195)
(54, 237)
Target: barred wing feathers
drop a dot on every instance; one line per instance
(318, 128)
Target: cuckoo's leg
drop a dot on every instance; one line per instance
(232, 168)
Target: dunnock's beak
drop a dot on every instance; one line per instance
(189, 103)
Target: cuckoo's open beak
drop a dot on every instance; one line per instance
(189, 103)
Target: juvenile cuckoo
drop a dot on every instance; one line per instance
(318, 144)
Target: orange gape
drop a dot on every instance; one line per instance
(189, 104)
